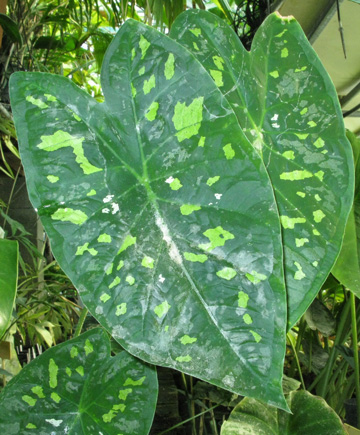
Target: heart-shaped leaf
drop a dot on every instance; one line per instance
(78, 388)
(288, 107)
(160, 212)
(310, 415)
(9, 252)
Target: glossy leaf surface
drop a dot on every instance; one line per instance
(77, 388)
(288, 107)
(347, 266)
(160, 212)
(310, 415)
(9, 252)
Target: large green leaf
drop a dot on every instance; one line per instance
(288, 107)
(160, 212)
(310, 415)
(9, 252)
(77, 388)
(347, 266)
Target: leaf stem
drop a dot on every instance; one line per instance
(290, 338)
(356, 355)
(80, 322)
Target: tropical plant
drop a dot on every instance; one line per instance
(170, 205)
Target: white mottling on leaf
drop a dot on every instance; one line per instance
(173, 250)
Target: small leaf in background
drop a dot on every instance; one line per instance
(9, 252)
(288, 107)
(10, 28)
(160, 212)
(78, 388)
(319, 317)
(310, 415)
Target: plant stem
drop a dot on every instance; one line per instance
(356, 355)
(80, 322)
(189, 419)
(290, 338)
(333, 353)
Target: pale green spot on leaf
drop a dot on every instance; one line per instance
(312, 124)
(115, 282)
(301, 194)
(105, 297)
(29, 400)
(62, 139)
(68, 371)
(289, 223)
(175, 184)
(201, 258)
(290, 155)
(141, 71)
(144, 44)
(228, 151)
(134, 383)
(317, 197)
(196, 46)
(284, 52)
(301, 242)
(36, 102)
(91, 193)
(315, 263)
(109, 416)
(196, 32)
(256, 336)
(74, 352)
(227, 273)
(212, 180)
(319, 143)
(318, 215)
(217, 236)
(219, 62)
(247, 319)
(76, 117)
(80, 370)
(124, 393)
(104, 238)
(130, 279)
(201, 142)
(296, 175)
(76, 217)
(302, 136)
(320, 175)
(38, 391)
(255, 277)
(133, 91)
(152, 111)
(187, 119)
(133, 54)
(186, 358)
(304, 111)
(109, 270)
(303, 68)
(316, 232)
(187, 209)
(149, 84)
(53, 178)
(148, 262)
(279, 35)
(274, 74)
(85, 248)
(121, 309)
(217, 77)
(30, 426)
(53, 372)
(299, 275)
(129, 241)
(120, 265)
(50, 97)
(170, 67)
(186, 339)
(162, 309)
(243, 299)
(55, 397)
(88, 347)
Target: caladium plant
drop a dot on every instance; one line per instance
(164, 204)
